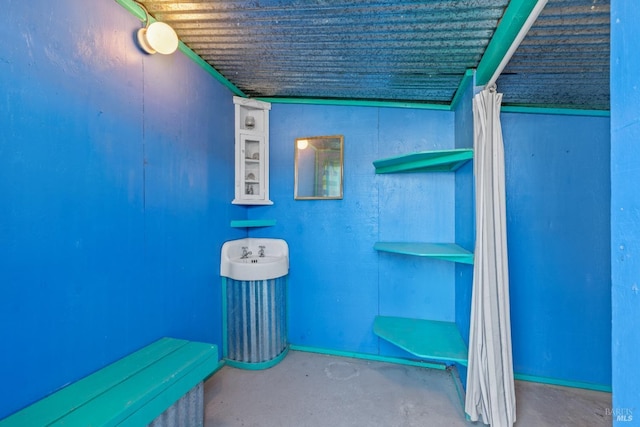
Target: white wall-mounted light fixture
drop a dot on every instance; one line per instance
(302, 144)
(156, 37)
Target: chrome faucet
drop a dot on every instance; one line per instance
(245, 253)
(261, 251)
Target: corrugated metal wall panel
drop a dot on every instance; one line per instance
(256, 319)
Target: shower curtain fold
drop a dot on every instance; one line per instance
(490, 394)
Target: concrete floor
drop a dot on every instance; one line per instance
(309, 390)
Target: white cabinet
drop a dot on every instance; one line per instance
(252, 152)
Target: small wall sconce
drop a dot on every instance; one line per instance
(156, 37)
(302, 144)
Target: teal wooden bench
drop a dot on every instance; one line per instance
(132, 391)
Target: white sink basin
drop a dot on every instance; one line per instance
(254, 259)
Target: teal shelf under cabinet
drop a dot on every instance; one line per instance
(242, 223)
(445, 251)
(425, 161)
(427, 339)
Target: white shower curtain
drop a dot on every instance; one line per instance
(490, 395)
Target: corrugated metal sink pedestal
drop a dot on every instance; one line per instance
(256, 322)
(254, 286)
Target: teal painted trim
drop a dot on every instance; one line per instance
(136, 11)
(225, 336)
(241, 223)
(442, 367)
(467, 80)
(212, 71)
(358, 103)
(133, 8)
(554, 111)
(510, 25)
(371, 357)
(564, 383)
(260, 365)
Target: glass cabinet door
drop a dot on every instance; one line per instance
(252, 167)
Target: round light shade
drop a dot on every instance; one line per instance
(158, 37)
(302, 144)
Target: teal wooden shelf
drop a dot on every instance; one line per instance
(425, 161)
(241, 223)
(427, 339)
(445, 251)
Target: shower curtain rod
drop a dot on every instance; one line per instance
(516, 42)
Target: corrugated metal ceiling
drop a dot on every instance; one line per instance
(393, 50)
(564, 59)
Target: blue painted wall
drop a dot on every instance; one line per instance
(625, 205)
(116, 182)
(116, 186)
(338, 282)
(557, 185)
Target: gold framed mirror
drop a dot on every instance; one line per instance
(319, 165)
